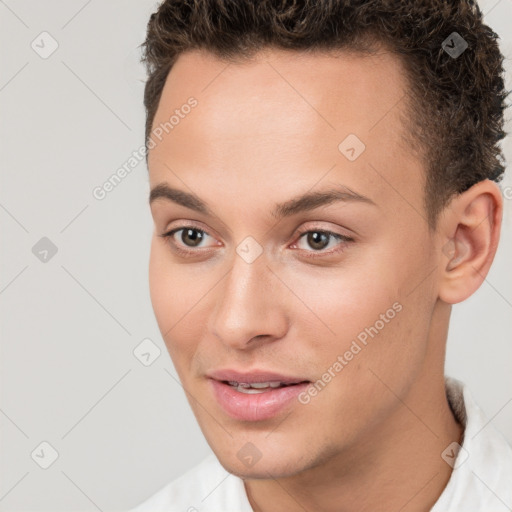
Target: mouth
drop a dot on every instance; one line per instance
(258, 387)
(255, 396)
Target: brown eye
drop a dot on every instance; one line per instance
(317, 243)
(189, 240)
(195, 236)
(318, 239)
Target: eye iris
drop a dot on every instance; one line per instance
(196, 239)
(316, 238)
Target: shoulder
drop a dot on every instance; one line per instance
(482, 470)
(205, 487)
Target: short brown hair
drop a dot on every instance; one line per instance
(457, 102)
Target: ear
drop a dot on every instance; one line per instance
(470, 232)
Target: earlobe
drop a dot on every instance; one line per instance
(470, 236)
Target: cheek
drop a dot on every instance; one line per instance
(167, 288)
(379, 344)
(178, 294)
(160, 286)
(365, 313)
(172, 287)
(338, 302)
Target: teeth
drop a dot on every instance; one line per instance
(254, 387)
(261, 385)
(250, 391)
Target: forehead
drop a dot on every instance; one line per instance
(283, 121)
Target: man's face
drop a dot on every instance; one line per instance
(239, 289)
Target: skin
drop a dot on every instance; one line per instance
(262, 133)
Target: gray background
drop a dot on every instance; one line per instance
(69, 325)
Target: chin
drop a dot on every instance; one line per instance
(267, 463)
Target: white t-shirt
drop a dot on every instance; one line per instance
(481, 480)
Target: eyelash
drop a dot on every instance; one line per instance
(312, 254)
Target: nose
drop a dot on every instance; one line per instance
(249, 305)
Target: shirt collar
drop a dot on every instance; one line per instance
(481, 478)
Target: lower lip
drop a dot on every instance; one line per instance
(255, 406)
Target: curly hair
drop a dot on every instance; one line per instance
(456, 103)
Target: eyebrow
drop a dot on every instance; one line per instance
(305, 202)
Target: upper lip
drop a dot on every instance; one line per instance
(230, 375)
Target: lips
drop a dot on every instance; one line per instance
(254, 396)
(254, 377)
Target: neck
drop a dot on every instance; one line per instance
(397, 466)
